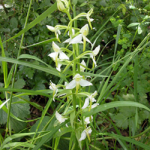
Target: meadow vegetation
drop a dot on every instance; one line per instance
(75, 74)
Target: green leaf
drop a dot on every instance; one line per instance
(14, 136)
(19, 84)
(120, 120)
(4, 64)
(35, 66)
(49, 136)
(13, 23)
(40, 43)
(28, 92)
(20, 109)
(132, 25)
(104, 107)
(127, 139)
(18, 145)
(9, 76)
(42, 125)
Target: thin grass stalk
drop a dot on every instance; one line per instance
(15, 71)
(135, 89)
(117, 39)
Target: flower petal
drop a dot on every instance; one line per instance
(94, 105)
(62, 56)
(96, 51)
(93, 100)
(59, 117)
(87, 40)
(53, 55)
(86, 103)
(91, 19)
(71, 85)
(85, 83)
(83, 136)
(55, 47)
(89, 130)
(58, 32)
(85, 30)
(67, 41)
(81, 67)
(87, 120)
(50, 28)
(77, 39)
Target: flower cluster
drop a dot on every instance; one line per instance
(78, 82)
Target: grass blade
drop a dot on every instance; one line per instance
(39, 67)
(104, 107)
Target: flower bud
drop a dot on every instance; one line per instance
(60, 5)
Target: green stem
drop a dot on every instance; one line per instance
(15, 71)
(76, 26)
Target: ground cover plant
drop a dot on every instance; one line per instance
(69, 83)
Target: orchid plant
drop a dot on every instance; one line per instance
(76, 86)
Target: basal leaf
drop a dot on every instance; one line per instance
(19, 84)
(20, 109)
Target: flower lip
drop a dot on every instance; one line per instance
(81, 67)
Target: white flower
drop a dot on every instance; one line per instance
(85, 133)
(77, 80)
(94, 53)
(84, 32)
(81, 67)
(54, 88)
(62, 5)
(60, 118)
(89, 99)
(54, 55)
(54, 29)
(57, 50)
(87, 120)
